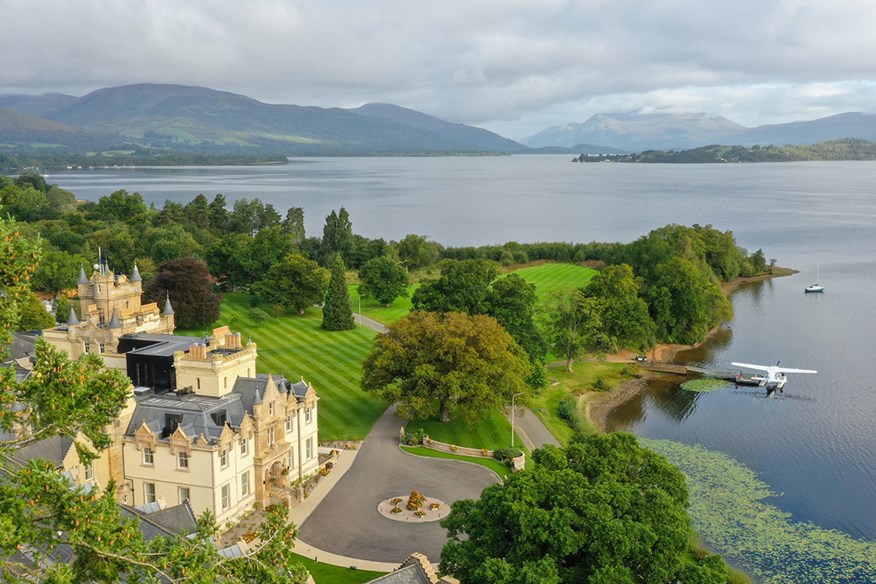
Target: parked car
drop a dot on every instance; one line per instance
(642, 358)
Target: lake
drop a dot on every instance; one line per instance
(815, 444)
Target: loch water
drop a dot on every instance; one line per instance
(815, 444)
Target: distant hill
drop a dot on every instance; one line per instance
(639, 132)
(35, 105)
(634, 132)
(169, 117)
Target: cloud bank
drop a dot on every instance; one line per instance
(514, 66)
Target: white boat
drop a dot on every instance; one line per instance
(816, 287)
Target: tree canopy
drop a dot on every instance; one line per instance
(462, 287)
(447, 363)
(384, 279)
(293, 283)
(601, 510)
(573, 324)
(189, 286)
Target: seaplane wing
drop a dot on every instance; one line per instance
(750, 366)
(789, 370)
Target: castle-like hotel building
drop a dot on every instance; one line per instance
(201, 426)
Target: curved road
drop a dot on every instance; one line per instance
(347, 523)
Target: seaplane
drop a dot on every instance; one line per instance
(774, 376)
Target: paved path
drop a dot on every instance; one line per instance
(346, 523)
(531, 430)
(370, 323)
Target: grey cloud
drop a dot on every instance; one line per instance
(513, 66)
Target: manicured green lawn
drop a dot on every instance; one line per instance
(328, 574)
(383, 314)
(491, 433)
(490, 463)
(296, 346)
(550, 277)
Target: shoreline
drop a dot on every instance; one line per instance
(600, 406)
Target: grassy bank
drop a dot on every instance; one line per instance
(328, 574)
(490, 463)
(296, 346)
(493, 432)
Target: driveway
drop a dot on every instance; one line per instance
(347, 523)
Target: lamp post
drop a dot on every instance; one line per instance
(512, 417)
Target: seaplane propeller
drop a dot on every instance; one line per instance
(774, 376)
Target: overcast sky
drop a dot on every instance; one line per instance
(514, 67)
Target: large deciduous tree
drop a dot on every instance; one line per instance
(384, 279)
(511, 300)
(624, 316)
(462, 287)
(293, 283)
(603, 510)
(447, 363)
(337, 312)
(188, 284)
(685, 303)
(573, 324)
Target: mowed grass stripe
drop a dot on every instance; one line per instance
(296, 346)
(550, 277)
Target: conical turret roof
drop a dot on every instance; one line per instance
(72, 319)
(83, 279)
(135, 275)
(168, 309)
(114, 321)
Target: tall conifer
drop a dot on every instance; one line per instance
(337, 314)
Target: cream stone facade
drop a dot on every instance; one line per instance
(201, 425)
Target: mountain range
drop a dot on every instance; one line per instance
(638, 132)
(155, 119)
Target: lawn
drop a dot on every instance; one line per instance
(491, 463)
(296, 346)
(491, 433)
(550, 277)
(328, 574)
(383, 314)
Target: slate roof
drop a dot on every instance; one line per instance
(413, 574)
(52, 449)
(176, 520)
(252, 389)
(195, 411)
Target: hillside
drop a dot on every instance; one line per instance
(169, 117)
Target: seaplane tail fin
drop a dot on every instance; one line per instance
(789, 370)
(750, 366)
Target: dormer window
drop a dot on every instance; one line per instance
(171, 423)
(219, 418)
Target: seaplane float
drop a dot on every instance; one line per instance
(774, 376)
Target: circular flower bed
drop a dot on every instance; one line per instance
(415, 508)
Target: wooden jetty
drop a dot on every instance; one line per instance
(737, 377)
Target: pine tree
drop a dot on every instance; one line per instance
(337, 314)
